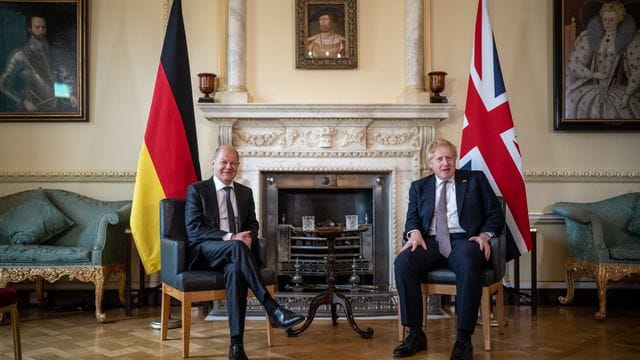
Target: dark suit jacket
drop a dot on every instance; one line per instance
(478, 207)
(202, 217)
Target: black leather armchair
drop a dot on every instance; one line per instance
(190, 286)
(442, 281)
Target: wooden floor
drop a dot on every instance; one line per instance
(556, 333)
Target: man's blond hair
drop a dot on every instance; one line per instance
(438, 143)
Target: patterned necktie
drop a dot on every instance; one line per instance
(442, 226)
(230, 215)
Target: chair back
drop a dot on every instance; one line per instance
(173, 236)
(172, 219)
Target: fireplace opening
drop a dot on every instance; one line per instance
(300, 260)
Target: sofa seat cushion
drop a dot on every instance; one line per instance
(42, 255)
(33, 221)
(628, 251)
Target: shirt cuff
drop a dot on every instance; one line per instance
(488, 233)
(227, 237)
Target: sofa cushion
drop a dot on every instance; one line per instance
(43, 255)
(34, 221)
(633, 226)
(625, 252)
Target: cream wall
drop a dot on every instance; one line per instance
(125, 44)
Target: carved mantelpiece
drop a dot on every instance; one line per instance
(326, 127)
(388, 138)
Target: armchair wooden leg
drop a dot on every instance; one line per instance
(165, 311)
(401, 329)
(485, 311)
(186, 324)
(500, 309)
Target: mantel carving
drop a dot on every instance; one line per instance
(342, 127)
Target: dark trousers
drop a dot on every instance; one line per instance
(241, 272)
(466, 261)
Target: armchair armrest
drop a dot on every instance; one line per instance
(568, 210)
(110, 235)
(498, 257)
(585, 233)
(173, 259)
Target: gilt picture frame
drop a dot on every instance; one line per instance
(326, 34)
(43, 61)
(595, 86)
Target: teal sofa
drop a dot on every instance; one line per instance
(46, 234)
(604, 242)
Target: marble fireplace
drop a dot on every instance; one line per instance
(331, 147)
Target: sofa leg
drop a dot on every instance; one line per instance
(122, 279)
(601, 284)
(99, 281)
(569, 268)
(39, 281)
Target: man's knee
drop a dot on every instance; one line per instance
(402, 261)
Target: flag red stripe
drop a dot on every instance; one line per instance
(167, 141)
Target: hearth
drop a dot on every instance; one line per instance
(329, 197)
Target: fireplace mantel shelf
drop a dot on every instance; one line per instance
(344, 111)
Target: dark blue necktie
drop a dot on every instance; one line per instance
(230, 215)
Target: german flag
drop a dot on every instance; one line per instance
(169, 156)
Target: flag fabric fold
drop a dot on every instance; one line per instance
(489, 142)
(169, 157)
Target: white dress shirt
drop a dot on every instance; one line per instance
(221, 195)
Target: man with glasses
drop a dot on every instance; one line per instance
(222, 235)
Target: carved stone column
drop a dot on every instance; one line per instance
(236, 90)
(414, 91)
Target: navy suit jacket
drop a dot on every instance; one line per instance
(478, 207)
(202, 216)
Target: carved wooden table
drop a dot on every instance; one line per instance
(330, 296)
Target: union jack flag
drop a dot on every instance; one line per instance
(489, 142)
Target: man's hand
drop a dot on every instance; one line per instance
(483, 241)
(244, 236)
(415, 240)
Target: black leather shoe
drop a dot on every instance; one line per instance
(236, 352)
(284, 319)
(462, 351)
(411, 345)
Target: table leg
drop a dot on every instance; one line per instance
(516, 280)
(334, 314)
(344, 302)
(127, 272)
(534, 273)
(320, 299)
